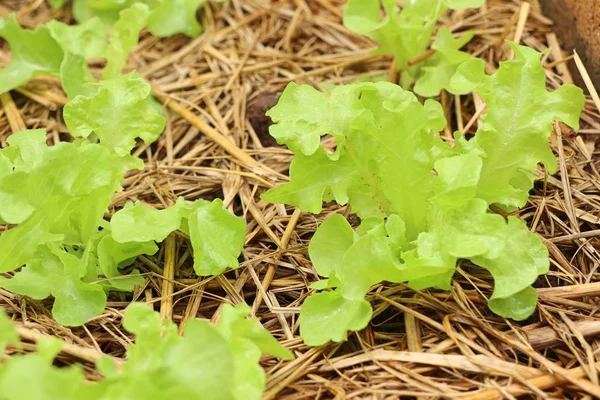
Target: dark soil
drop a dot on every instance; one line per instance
(256, 115)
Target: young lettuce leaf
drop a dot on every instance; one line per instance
(56, 4)
(423, 204)
(208, 362)
(57, 196)
(406, 34)
(380, 129)
(175, 16)
(57, 49)
(62, 195)
(117, 113)
(106, 10)
(33, 53)
(216, 235)
(436, 71)
(108, 29)
(517, 122)
(166, 18)
(87, 40)
(44, 381)
(123, 37)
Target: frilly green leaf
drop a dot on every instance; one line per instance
(437, 71)
(57, 196)
(207, 362)
(423, 205)
(387, 131)
(33, 53)
(175, 16)
(517, 123)
(405, 34)
(123, 37)
(87, 40)
(329, 316)
(75, 76)
(118, 113)
(217, 236)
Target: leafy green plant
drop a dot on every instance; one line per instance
(207, 362)
(213, 252)
(33, 53)
(116, 111)
(406, 35)
(59, 244)
(61, 50)
(56, 196)
(423, 204)
(167, 17)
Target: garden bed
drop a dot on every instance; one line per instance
(420, 344)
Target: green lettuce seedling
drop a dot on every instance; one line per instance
(423, 204)
(57, 49)
(33, 53)
(57, 196)
(406, 35)
(208, 362)
(166, 18)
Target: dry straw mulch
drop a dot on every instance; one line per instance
(420, 345)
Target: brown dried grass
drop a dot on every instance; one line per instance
(420, 345)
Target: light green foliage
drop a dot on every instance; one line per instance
(166, 18)
(170, 17)
(363, 172)
(112, 255)
(107, 10)
(33, 53)
(93, 39)
(66, 192)
(8, 333)
(44, 382)
(164, 365)
(302, 128)
(53, 271)
(56, 4)
(108, 29)
(216, 235)
(517, 123)
(74, 74)
(117, 113)
(57, 48)
(328, 316)
(406, 34)
(87, 40)
(207, 362)
(437, 70)
(524, 259)
(57, 196)
(423, 204)
(123, 37)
